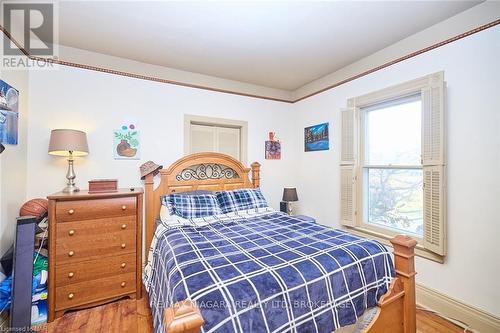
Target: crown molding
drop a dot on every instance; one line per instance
(400, 59)
(241, 93)
(87, 60)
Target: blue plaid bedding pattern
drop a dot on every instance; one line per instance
(191, 206)
(265, 272)
(241, 199)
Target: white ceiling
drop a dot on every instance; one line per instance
(274, 44)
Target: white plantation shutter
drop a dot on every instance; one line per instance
(434, 209)
(349, 139)
(348, 164)
(433, 123)
(348, 195)
(433, 163)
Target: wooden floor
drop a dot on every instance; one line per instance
(133, 316)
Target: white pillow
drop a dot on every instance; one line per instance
(171, 220)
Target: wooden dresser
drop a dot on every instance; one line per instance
(94, 248)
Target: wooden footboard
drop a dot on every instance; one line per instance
(396, 308)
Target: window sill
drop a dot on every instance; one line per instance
(385, 239)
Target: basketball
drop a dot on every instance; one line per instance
(35, 207)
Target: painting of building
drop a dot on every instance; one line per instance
(316, 137)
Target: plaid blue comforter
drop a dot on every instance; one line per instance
(265, 271)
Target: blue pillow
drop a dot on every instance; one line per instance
(191, 206)
(242, 199)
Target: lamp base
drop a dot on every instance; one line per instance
(70, 176)
(70, 189)
(286, 207)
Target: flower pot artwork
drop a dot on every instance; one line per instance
(126, 143)
(273, 150)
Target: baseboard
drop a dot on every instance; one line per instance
(480, 321)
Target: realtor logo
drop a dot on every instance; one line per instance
(32, 25)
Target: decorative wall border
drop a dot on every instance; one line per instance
(133, 75)
(183, 84)
(408, 56)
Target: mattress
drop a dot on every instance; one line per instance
(265, 271)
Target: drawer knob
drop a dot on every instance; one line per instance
(71, 295)
(123, 265)
(71, 211)
(123, 245)
(124, 226)
(71, 253)
(71, 274)
(71, 232)
(123, 284)
(124, 207)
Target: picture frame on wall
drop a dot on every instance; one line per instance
(273, 150)
(316, 138)
(9, 114)
(126, 143)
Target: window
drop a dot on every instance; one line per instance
(217, 135)
(391, 169)
(392, 163)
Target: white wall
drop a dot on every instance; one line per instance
(472, 74)
(98, 103)
(13, 163)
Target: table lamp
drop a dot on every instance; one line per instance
(289, 195)
(68, 143)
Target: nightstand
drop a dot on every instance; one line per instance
(95, 253)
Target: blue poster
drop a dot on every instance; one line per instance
(9, 113)
(316, 138)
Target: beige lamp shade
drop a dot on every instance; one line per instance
(62, 141)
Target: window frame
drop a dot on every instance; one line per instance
(433, 140)
(216, 122)
(362, 168)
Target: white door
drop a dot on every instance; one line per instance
(226, 140)
(203, 138)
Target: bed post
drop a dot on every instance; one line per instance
(255, 174)
(404, 261)
(397, 307)
(183, 317)
(148, 184)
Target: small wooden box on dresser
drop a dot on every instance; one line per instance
(95, 249)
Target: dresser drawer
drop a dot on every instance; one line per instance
(95, 269)
(92, 291)
(89, 229)
(77, 210)
(98, 246)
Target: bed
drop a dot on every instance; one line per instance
(258, 270)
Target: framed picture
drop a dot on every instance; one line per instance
(9, 113)
(126, 144)
(273, 150)
(316, 138)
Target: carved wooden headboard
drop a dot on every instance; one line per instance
(200, 171)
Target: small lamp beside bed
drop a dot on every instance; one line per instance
(289, 196)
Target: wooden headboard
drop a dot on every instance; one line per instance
(200, 171)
